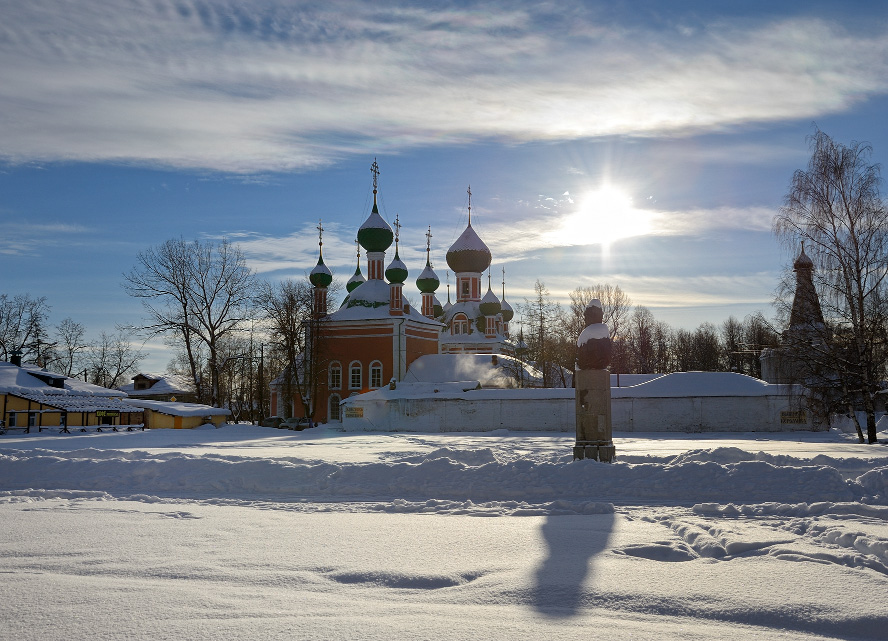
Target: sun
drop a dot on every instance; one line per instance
(603, 216)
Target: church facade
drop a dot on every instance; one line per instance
(375, 334)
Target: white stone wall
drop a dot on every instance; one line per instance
(556, 414)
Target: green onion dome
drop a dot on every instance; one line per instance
(355, 280)
(428, 280)
(490, 304)
(507, 311)
(375, 235)
(396, 271)
(437, 310)
(320, 276)
(803, 261)
(468, 253)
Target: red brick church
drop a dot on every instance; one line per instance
(376, 334)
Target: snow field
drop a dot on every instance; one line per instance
(204, 535)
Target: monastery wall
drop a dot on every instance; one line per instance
(488, 410)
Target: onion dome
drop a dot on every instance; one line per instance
(375, 235)
(428, 280)
(803, 261)
(507, 311)
(320, 276)
(437, 310)
(468, 253)
(355, 281)
(490, 304)
(396, 272)
(358, 277)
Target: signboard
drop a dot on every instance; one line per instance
(795, 418)
(107, 413)
(354, 412)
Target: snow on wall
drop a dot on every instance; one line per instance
(687, 402)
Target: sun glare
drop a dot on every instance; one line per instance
(603, 216)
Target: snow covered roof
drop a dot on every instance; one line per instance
(78, 402)
(177, 409)
(166, 384)
(688, 384)
(438, 368)
(27, 380)
(370, 300)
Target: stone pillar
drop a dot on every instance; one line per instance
(592, 382)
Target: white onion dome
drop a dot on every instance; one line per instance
(396, 272)
(468, 253)
(447, 305)
(320, 276)
(490, 304)
(375, 235)
(428, 281)
(507, 311)
(355, 281)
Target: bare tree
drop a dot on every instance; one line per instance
(835, 207)
(540, 315)
(22, 319)
(70, 345)
(112, 360)
(197, 293)
(615, 304)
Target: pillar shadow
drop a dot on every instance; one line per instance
(560, 587)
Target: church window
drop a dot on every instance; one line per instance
(354, 375)
(460, 324)
(335, 375)
(465, 288)
(334, 408)
(375, 374)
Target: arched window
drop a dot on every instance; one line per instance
(460, 324)
(335, 375)
(334, 408)
(375, 374)
(354, 375)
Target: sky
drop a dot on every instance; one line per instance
(643, 144)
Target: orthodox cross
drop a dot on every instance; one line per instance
(358, 247)
(397, 231)
(470, 205)
(374, 169)
(428, 243)
(504, 282)
(320, 229)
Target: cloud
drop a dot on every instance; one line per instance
(23, 238)
(273, 86)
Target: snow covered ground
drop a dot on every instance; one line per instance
(248, 532)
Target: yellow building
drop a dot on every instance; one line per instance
(35, 399)
(174, 415)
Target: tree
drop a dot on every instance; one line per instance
(540, 315)
(70, 344)
(835, 207)
(198, 294)
(615, 304)
(22, 319)
(286, 308)
(111, 360)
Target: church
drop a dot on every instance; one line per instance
(375, 334)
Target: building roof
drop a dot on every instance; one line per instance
(30, 379)
(176, 409)
(165, 384)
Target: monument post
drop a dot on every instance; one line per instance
(592, 382)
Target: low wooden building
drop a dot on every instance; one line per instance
(167, 415)
(32, 398)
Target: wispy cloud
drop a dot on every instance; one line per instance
(271, 86)
(24, 238)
